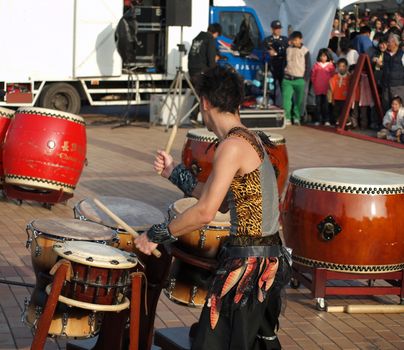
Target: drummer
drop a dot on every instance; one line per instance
(243, 303)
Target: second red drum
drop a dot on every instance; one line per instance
(44, 150)
(199, 149)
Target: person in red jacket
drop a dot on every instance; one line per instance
(339, 85)
(321, 74)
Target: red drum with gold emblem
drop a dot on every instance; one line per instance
(44, 153)
(348, 220)
(5, 118)
(199, 149)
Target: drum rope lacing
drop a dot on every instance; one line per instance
(353, 189)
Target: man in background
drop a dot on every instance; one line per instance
(202, 54)
(393, 72)
(276, 44)
(362, 42)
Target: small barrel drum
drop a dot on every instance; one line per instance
(69, 322)
(44, 151)
(199, 149)
(43, 234)
(188, 285)
(205, 242)
(136, 214)
(5, 118)
(100, 273)
(347, 220)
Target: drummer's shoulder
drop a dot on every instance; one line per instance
(232, 148)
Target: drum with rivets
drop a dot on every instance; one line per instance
(100, 274)
(188, 285)
(136, 214)
(43, 234)
(345, 219)
(67, 322)
(206, 241)
(199, 149)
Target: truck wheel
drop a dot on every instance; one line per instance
(60, 96)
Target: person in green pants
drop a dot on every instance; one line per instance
(297, 72)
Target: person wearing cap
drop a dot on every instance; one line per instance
(276, 44)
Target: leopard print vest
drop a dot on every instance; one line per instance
(253, 197)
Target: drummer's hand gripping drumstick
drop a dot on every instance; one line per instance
(121, 223)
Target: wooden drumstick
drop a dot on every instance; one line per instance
(170, 141)
(367, 309)
(121, 223)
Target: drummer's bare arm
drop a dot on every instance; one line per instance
(164, 164)
(225, 166)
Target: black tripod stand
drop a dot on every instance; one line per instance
(173, 99)
(127, 120)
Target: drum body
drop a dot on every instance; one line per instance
(207, 241)
(136, 214)
(67, 321)
(346, 220)
(199, 149)
(188, 285)
(100, 273)
(44, 234)
(5, 118)
(45, 149)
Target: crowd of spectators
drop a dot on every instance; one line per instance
(381, 37)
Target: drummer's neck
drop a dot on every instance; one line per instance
(224, 122)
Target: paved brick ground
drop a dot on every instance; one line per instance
(120, 164)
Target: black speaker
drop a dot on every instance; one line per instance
(179, 13)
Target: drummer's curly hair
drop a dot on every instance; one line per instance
(222, 86)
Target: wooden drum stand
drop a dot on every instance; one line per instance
(106, 341)
(317, 283)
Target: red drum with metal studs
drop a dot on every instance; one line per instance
(347, 220)
(199, 149)
(44, 154)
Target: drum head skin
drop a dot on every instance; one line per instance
(349, 180)
(73, 229)
(95, 254)
(135, 213)
(184, 203)
(207, 136)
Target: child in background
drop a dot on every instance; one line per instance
(339, 85)
(297, 72)
(393, 122)
(322, 72)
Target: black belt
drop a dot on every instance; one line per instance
(291, 77)
(251, 251)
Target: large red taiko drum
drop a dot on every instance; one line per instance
(5, 118)
(348, 220)
(44, 151)
(199, 149)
